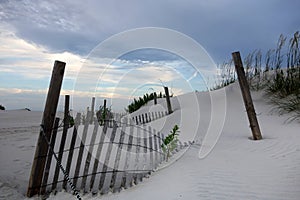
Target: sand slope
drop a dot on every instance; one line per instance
(236, 168)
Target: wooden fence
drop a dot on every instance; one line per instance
(88, 157)
(100, 159)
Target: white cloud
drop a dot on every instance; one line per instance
(31, 60)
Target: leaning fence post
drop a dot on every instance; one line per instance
(168, 100)
(246, 96)
(39, 161)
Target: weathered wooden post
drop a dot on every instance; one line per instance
(168, 100)
(155, 98)
(246, 96)
(41, 150)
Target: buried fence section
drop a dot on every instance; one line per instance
(102, 159)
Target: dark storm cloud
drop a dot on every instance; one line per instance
(221, 26)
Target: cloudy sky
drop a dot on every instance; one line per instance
(34, 33)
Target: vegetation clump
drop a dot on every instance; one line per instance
(277, 73)
(138, 103)
(170, 142)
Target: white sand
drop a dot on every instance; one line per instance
(236, 168)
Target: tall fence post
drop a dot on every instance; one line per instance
(39, 161)
(246, 96)
(168, 100)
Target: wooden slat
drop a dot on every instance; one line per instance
(159, 147)
(155, 138)
(145, 164)
(137, 176)
(49, 157)
(117, 160)
(81, 148)
(89, 156)
(143, 119)
(98, 154)
(163, 138)
(72, 145)
(151, 147)
(107, 158)
(127, 177)
(62, 142)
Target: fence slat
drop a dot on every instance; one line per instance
(159, 147)
(81, 148)
(49, 158)
(145, 151)
(117, 160)
(72, 145)
(89, 156)
(143, 118)
(155, 138)
(151, 147)
(63, 140)
(98, 154)
(107, 158)
(146, 117)
(127, 178)
(137, 176)
(136, 120)
(163, 138)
